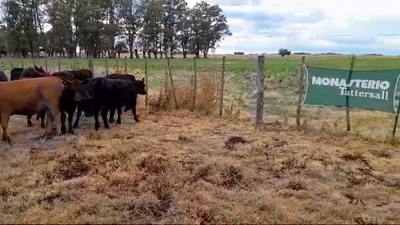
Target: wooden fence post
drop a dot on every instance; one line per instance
(347, 97)
(260, 91)
(298, 110)
(59, 64)
(194, 84)
(45, 64)
(396, 120)
(126, 65)
(146, 74)
(106, 64)
(117, 64)
(73, 64)
(172, 84)
(90, 64)
(221, 89)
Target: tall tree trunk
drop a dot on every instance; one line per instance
(137, 54)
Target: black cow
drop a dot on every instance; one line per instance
(15, 73)
(108, 94)
(140, 89)
(81, 74)
(3, 77)
(123, 77)
(30, 72)
(69, 99)
(86, 106)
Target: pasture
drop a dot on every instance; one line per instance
(176, 166)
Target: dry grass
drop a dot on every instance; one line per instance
(174, 167)
(180, 167)
(207, 94)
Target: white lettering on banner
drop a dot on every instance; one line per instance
(342, 84)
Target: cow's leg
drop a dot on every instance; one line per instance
(4, 126)
(78, 116)
(42, 116)
(63, 117)
(29, 121)
(38, 116)
(96, 117)
(55, 115)
(104, 112)
(134, 110)
(49, 125)
(70, 117)
(112, 112)
(119, 110)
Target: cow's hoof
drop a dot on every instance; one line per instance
(96, 127)
(118, 121)
(42, 125)
(70, 131)
(7, 140)
(75, 125)
(30, 124)
(136, 119)
(45, 137)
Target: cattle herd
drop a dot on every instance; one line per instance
(33, 91)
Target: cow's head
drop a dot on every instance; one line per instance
(82, 97)
(40, 70)
(140, 87)
(66, 84)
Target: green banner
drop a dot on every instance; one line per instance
(375, 90)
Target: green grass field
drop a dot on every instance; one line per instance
(273, 65)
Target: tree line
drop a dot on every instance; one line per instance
(156, 28)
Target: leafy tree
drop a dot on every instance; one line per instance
(284, 51)
(160, 27)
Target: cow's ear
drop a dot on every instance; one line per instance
(143, 79)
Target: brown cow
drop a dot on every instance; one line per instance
(38, 94)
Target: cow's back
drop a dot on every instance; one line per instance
(64, 75)
(24, 96)
(30, 72)
(121, 76)
(110, 91)
(81, 74)
(16, 73)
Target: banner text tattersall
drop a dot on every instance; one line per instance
(357, 83)
(366, 89)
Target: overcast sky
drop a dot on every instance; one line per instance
(311, 26)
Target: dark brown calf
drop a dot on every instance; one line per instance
(3, 77)
(81, 74)
(37, 94)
